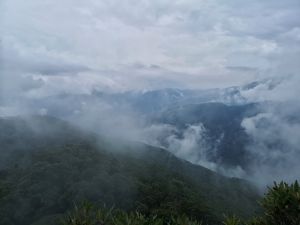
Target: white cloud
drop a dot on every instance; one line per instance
(192, 42)
(274, 150)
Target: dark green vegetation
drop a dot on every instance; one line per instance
(47, 165)
(87, 214)
(281, 206)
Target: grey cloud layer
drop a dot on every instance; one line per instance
(190, 44)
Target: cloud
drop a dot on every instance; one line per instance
(278, 89)
(29, 60)
(76, 47)
(192, 146)
(194, 44)
(274, 150)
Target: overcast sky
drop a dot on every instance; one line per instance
(49, 47)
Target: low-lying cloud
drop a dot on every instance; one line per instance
(274, 149)
(50, 51)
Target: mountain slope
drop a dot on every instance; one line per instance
(47, 165)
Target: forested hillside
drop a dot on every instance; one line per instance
(47, 165)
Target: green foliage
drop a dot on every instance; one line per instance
(281, 206)
(87, 214)
(256, 221)
(232, 220)
(168, 196)
(83, 215)
(2, 191)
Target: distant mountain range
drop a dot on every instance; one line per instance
(148, 102)
(220, 111)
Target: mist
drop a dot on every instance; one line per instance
(131, 71)
(272, 150)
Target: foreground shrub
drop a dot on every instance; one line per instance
(87, 214)
(281, 206)
(232, 220)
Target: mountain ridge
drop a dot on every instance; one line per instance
(56, 171)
